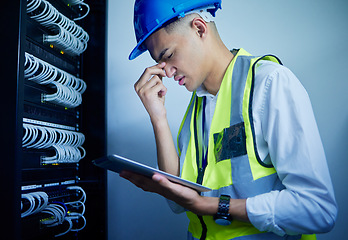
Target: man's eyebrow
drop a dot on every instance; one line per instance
(160, 56)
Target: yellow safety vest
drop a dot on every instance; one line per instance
(231, 164)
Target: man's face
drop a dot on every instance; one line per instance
(183, 54)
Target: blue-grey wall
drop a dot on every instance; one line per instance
(310, 37)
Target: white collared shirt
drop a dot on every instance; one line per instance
(287, 135)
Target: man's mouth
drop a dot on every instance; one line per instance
(180, 79)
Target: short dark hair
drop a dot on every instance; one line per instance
(172, 24)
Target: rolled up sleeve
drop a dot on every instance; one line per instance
(307, 204)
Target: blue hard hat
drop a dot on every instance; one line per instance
(150, 15)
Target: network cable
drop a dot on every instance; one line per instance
(69, 36)
(67, 144)
(56, 213)
(37, 200)
(69, 89)
(80, 3)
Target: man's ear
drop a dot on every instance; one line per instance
(200, 26)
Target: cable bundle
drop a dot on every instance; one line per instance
(37, 200)
(69, 88)
(65, 154)
(68, 212)
(70, 37)
(58, 212)
(79, 190)
(65, 96)
(67, 144)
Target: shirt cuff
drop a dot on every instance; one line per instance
(260, 210)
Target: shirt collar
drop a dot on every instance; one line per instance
(203, 92)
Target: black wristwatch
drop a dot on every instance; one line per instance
(222, 217)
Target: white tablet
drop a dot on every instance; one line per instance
(118, 164)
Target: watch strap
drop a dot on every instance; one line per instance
(222, 217)
(224, 205)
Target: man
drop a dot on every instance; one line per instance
(249, 132)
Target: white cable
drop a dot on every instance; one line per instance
(83, 16)
(31, 207)
(38, 201)
(78, 2)
(67, 144)
(78, 188)
(69, 88)
(77, 204)
(32, 5)
(77, 216)
(64, 95)
(68, 230)
(32, 135)
(42, 198)
(74, 216)
(58, 215)
(58, 212)
(69, 37)
(60, 137)
(40, 140)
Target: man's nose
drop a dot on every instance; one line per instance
(170, 70)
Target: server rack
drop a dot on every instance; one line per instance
(26, 172)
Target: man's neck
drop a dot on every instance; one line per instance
(219, 63)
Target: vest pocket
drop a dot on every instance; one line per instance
(230, 142)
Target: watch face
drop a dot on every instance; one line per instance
(223, 222)
(225, 198)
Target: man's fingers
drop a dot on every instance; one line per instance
(148, 74)
(153, 86)
(138, 180)
(158, 183)
(160, 179)
(159, 88)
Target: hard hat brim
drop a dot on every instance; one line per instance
(135, 52)
(139, 48)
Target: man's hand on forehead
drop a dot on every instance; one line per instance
(151, 90)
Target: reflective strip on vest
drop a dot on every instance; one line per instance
(264, 236)
(231, 151)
